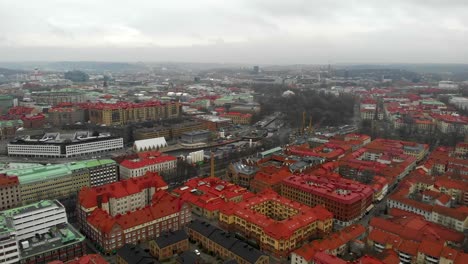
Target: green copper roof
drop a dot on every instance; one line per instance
(10, 123)
(48, 172)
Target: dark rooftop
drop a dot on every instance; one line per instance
(170, 237)
(134, 254)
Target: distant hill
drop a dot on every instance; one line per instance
(7, 72)
(88, 66)
(419, 68)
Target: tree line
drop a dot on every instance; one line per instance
(326, 109)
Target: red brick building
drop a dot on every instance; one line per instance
(129, 211)
(33, 121)
(348, 200)
(9, 191)
(269, 178)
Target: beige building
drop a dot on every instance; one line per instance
(53, 181)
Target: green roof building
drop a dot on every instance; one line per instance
(62, 180)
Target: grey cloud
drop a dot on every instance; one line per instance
(257, 31)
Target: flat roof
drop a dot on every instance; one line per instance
(33, 174)
(58, 236)
(30, 208)
(271, 151)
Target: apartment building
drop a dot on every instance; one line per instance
(129, 211)
(123, 113)
(279, 225)
(224, 244)
(168, 244)
(207, 196)
(153, 161)
(336, 244)
(10, 193)
(348, 200)
(57, 145)
(173, 131)
(61, 180)
(238, 118)
(38, 233)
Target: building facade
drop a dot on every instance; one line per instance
(224, 244)
(38, 233)
(129, 211)
(123, 113)
(62, 180)
(10, 193)
(207, 196)
(168, 244)
(55, 145)
(279, 225)
(153, 161)
(348, 200)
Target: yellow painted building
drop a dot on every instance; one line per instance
(123, 113)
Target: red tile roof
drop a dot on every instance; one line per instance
(272, 175)
(457, 213)
(88, 197)
(369, 260)
(212, 193)
(89, 259)
(338, 189)
(331, 242)
(277, 229)
(324, 258)
(20, 110)
(7, 181)
(409, 247)
(430, 248)
(164, 206)
(146, 159)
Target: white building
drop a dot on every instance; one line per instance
(9, 250)
(149, 144)
(147, 161)
(56, 145)
(196, 156)
(35, 218)
(448, 85)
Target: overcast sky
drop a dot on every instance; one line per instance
(236, 31)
